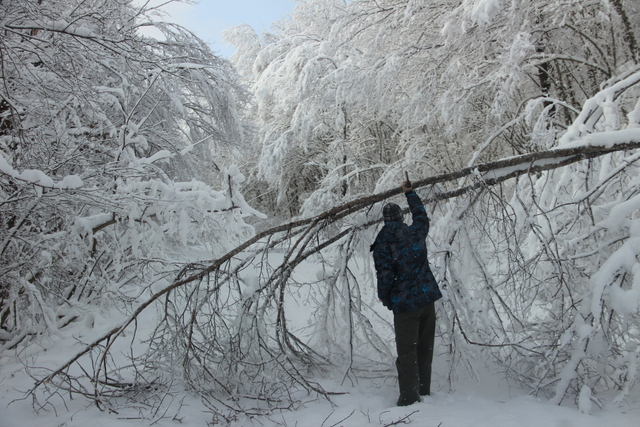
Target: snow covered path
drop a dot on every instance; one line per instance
(362, 408)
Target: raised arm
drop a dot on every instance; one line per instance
(418, 213)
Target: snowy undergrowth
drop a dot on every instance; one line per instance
(488, 402)
(489, 399)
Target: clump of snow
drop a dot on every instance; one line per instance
(470, 12)
(82, 32)
(160, 155)
(85, 226)
(584, 400)
(483, 11)
(70, 182)
(251, 285)
(36, 177)
(39, 178)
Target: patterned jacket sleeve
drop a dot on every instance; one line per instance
(384, 273)
(420, 218)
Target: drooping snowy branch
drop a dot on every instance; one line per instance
(309, 238)
(523, 117)
(96, 181)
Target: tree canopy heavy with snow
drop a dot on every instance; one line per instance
(114, 148)
(539, 270)
(349, 94)
(518, 122)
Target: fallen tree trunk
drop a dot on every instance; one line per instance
(486, 174)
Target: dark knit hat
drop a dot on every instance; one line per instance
(392, 212)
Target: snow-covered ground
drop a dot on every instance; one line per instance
(363, 405)
(485, 402)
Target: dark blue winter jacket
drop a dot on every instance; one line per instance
(405, 280)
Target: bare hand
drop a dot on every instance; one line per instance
(406, 186)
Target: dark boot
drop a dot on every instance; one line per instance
(406, 401)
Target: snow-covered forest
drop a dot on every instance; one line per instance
(176, 224)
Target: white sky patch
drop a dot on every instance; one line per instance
(209, 18)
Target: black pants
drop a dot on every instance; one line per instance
(415, 332)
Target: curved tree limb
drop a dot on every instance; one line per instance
(485, 174)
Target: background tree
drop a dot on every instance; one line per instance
(520, 129)
(357, 92)
(350, 94)
(112, 145)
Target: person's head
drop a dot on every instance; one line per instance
(392, 212)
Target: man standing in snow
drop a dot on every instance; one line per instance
(407, 286)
